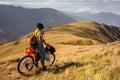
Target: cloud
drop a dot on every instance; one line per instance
(115, 0)
(69, 5)
(82, 9)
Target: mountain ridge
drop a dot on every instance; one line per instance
(91, 30)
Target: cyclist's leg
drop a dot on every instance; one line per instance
(42, 54)
(37, 58)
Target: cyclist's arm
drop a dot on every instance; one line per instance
(41, 37)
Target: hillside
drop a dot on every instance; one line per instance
(86, 32)
(6, 36)
(76, 56)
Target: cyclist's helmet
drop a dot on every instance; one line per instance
(40, 26)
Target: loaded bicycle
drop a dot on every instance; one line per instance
(27, 63)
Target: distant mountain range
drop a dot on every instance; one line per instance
(18, 21)
(102, 17)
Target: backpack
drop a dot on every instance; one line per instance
(33, 42)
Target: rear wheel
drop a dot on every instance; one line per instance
(25, 65)
(49, 59)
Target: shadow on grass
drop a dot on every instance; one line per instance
(15, 60)
(59, 69)
(56, 69)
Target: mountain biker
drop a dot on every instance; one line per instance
(38, 33)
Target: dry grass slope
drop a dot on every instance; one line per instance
(74, 61)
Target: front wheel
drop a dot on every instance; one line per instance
(25, 64)
(49, 59)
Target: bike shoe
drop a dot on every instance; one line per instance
(36, 64)
(44, 68)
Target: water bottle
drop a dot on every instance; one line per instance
(46, 57)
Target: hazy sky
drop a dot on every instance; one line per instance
(70, 5)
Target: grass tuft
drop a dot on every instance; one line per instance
(78, 42)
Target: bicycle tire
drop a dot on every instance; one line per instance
(52, 62)
(18, 66)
